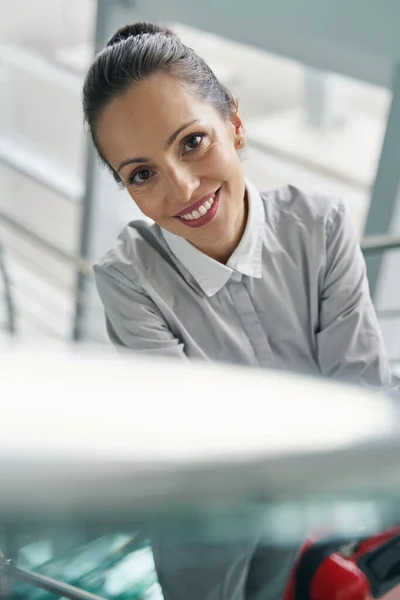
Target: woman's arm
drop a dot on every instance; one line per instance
(133, 320)
(350, 345)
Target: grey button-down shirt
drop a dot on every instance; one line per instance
(293, 295)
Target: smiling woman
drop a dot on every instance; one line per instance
(273, 279)
(226, 273)
(177, 158)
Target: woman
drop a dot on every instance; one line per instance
(273, 279)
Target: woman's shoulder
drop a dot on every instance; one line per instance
(289, 202)
(136, 248)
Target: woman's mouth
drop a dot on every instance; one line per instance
(203, 213)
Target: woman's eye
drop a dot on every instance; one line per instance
(140, 177)
(193, 142)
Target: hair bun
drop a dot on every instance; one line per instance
(137, 29)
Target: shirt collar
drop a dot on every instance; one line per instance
(246, 259)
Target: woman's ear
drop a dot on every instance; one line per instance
(238, 127)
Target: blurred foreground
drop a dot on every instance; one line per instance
(101, 453)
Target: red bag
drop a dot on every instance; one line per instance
(342, 570)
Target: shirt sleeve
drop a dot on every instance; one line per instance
(349, 342)
(132, 318)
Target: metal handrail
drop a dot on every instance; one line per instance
(388, 313)
(10, 571)
(41, 170)
(373, 244)
(41, 298)
(49, 277)
(76, 261)
(41, 324)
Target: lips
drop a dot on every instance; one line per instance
(197, 205)
(202, 212)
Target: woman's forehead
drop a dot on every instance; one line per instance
(150, 111)
(158, 100)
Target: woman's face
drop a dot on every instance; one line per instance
(178, 160)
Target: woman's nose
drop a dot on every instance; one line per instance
(182, 185)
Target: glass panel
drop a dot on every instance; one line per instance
(42, 157)
(40, 116)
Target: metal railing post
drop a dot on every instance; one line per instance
(9, 301)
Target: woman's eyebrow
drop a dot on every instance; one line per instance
(173, 137)
(170, 141)
(128, 161)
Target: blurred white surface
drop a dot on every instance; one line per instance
(89, 438)
(141, 409)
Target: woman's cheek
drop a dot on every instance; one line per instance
(149, 209)
(214, 166)
(223, 157)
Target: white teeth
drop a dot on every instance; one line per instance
(201, 211)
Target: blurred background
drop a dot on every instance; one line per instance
(318, 86)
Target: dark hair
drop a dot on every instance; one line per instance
(134, 53)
